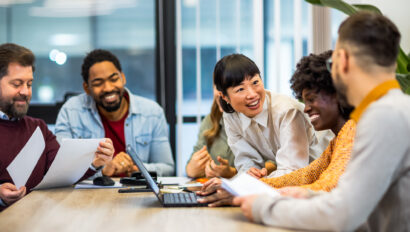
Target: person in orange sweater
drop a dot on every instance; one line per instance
(312, 84)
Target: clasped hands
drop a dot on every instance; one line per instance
(202, 164)
(121, 163)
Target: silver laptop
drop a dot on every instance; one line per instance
(166, 199)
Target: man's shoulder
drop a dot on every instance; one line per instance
(144, 105)
(393, 106)
(34, 121)
(281, 103)
(76, 102)
(395, 100)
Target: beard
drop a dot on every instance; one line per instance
(110, 106)
(341, 91)
(13, 110)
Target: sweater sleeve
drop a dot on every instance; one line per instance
(303, 176)
(339, 159)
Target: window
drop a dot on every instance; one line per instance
(60, 33)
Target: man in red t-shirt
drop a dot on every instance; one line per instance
(109, 109)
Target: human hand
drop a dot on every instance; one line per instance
(219, 198)
(221, 170)
(104, 153)
(257, 173)
(245, 203)
(210, 187)
(10, 194)
(196, 166)
(295, 192)
(122, 163)
(133, 169)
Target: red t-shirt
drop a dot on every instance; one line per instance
(115, 131)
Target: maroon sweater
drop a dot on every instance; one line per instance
(14, 135)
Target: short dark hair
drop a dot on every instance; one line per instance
(374, 36)
(230, 71)
(311, 74)
(13, 53)
(96, 56)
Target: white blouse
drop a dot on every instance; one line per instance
(281, 133)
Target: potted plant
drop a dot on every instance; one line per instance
(403, 60)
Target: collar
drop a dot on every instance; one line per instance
(261, 118)
(6, 117)
(378, 92)
(132, 107)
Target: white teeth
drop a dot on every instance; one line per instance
(314, 117)
(254, 103)
(110, 97)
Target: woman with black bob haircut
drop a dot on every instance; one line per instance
(261, 125)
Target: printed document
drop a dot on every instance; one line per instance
(244, 184)
(72, 161)
(23, 165)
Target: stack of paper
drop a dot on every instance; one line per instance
(244, 184)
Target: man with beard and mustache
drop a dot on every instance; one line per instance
(373, 193)
(109, 109)
(16, 77)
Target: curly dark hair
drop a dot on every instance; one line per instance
(96, 56)
(311, 73)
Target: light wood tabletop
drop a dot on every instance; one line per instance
(69, 209)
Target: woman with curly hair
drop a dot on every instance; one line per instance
(312, 84)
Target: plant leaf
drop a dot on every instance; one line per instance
(340, 5)
(367, 8)
(407, 91)
(404, 81)
(402, 63)
(315, 2)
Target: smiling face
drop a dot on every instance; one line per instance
(322, 108)
(106, 85)
(247, 97)
(15, 90)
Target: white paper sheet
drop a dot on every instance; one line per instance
(88, 184)
(22, 166)
(173, 180)
(72, 161)
(245, 184)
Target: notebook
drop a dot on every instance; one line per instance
(166, 199)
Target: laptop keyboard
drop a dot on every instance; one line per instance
(180, 199)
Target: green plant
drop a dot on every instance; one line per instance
(403, 60)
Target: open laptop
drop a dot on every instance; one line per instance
(166, 199)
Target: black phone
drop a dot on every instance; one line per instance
(132, 181)
(137, 179)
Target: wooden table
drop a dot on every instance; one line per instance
(67, 209)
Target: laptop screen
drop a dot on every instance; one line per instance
(143, 170)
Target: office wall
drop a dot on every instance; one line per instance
(398, 12)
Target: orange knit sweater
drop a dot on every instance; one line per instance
(324, 172)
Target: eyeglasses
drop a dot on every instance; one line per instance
(329, 64)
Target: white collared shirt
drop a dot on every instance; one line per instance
(281, 133)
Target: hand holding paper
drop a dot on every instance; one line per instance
(104, 153)
(72, 161)
(10, 194)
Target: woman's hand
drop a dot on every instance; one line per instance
(196, 166)
(221, 170)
